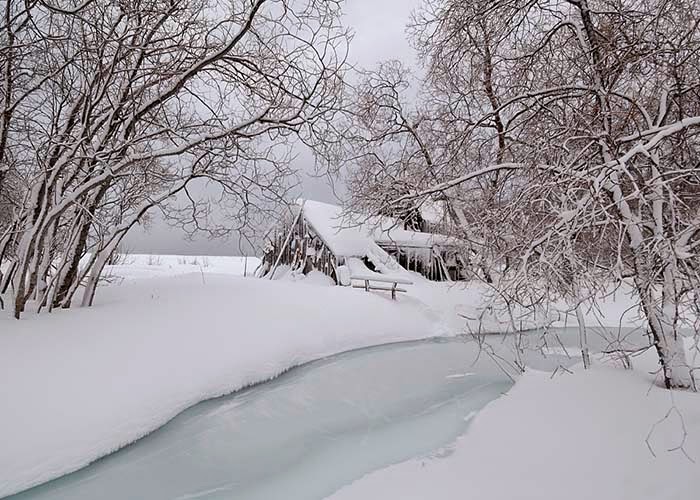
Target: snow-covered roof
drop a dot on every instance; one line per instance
(350, 235)
(342, 235)
(359, 271)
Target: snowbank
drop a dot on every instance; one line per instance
(79, 384)
(604, 433)
(473, 307)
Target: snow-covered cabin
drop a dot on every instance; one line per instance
(340, 244)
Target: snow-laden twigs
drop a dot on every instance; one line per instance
(562, 137)
(130, 103)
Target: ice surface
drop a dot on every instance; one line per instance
(303, 435)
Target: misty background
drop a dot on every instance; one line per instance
(379, 28)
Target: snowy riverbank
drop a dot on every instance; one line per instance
(170, 331)
(79, 384)
(606, 433)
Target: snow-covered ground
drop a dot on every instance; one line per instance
(79, 384)
(170, 331)
(303, 435)
(606, 433)
(474, 307)
(139, 266)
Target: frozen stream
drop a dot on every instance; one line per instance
(305, 434)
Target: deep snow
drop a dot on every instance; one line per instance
(302, 435)
(170, 331)
(79, 384)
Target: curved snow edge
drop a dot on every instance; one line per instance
(108, 376)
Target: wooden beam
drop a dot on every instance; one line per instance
(286, 241)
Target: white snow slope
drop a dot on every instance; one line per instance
(604, 434)
(171, 331)
(76, 385)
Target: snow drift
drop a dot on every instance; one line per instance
(86, 382)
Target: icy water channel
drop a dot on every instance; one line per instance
(314, 429)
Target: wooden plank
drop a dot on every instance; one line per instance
(287, 241)
(381, 278)
(380, 288)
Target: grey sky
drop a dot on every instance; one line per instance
(379, 27)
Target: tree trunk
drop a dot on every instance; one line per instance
(77, 250)
(663, 325)
(96, 271)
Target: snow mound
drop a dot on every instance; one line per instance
(86, 382)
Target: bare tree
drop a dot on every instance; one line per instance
(568, 131)
(131, 102)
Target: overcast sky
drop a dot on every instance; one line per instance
(379, 27)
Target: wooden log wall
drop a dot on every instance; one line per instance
(305, 250)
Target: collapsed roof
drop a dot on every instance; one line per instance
(351, 235)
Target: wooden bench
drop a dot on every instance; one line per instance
(375, 281)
